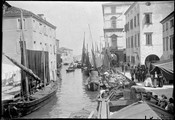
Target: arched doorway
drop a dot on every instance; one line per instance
(151, 59)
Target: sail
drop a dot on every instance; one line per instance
(98, 60)
(88, 64)
(93, 57)
(83, 52)
(25, 69)
(106, 59)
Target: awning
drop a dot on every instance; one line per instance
(135, 111)
(166, 65)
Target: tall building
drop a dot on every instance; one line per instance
(39, 35)
(144, 30)
(114, 21)
(114, 33)
(168, 36)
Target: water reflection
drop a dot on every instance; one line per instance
(70, 97)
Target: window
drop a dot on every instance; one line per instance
(129, 42)
(135, 40)
(128, 26)
(167, 26)
(131, 24)
(19, 24)
(171, 23)
(148, 38)
(126, 43)
(135, 21)
(148, 18)
(163, 27)
(126, 29)
(138, 19)
(163, 44)
(138, 40)
(113, 9)
(171, 47)
(167, 43)
(113, 22)
(132, 42)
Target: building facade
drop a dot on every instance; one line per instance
(144, 31)
(39, 36)
(114, 21)
(168, 36)
(66, 55)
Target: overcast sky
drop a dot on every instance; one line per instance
(71, 20)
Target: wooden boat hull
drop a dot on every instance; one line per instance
(19, 109)
(93, 86)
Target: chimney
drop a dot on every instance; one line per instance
(41, 15)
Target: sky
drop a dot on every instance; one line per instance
(71, 20)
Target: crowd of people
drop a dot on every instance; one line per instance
(166, 104)
(141, 73)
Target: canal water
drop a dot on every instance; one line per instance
(71, 97)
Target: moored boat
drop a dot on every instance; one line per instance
(93, 81)
(71, 68)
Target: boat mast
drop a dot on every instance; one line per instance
(83, 51)
(43, 55)
(23, 55)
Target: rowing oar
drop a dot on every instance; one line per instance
(25, 69)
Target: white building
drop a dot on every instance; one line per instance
(144, 30)
(114, 21)
(66, 55)
(39, 34)
(168, 36)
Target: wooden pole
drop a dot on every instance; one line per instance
(24, 55)
(44, 68)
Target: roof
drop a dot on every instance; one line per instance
(117, 3)
(138, 110)
(130, 8)
(15, 12)
(143, 2)
(7, 4)
(167, 17)
(63, 48)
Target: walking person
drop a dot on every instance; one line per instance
(155, 80)
(131, 72)
(160, 80)
(122, 66)
(136, 73)
(140, 74)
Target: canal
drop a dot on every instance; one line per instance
(70, 97)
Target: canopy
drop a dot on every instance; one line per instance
(166, 64)
(166, 67)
